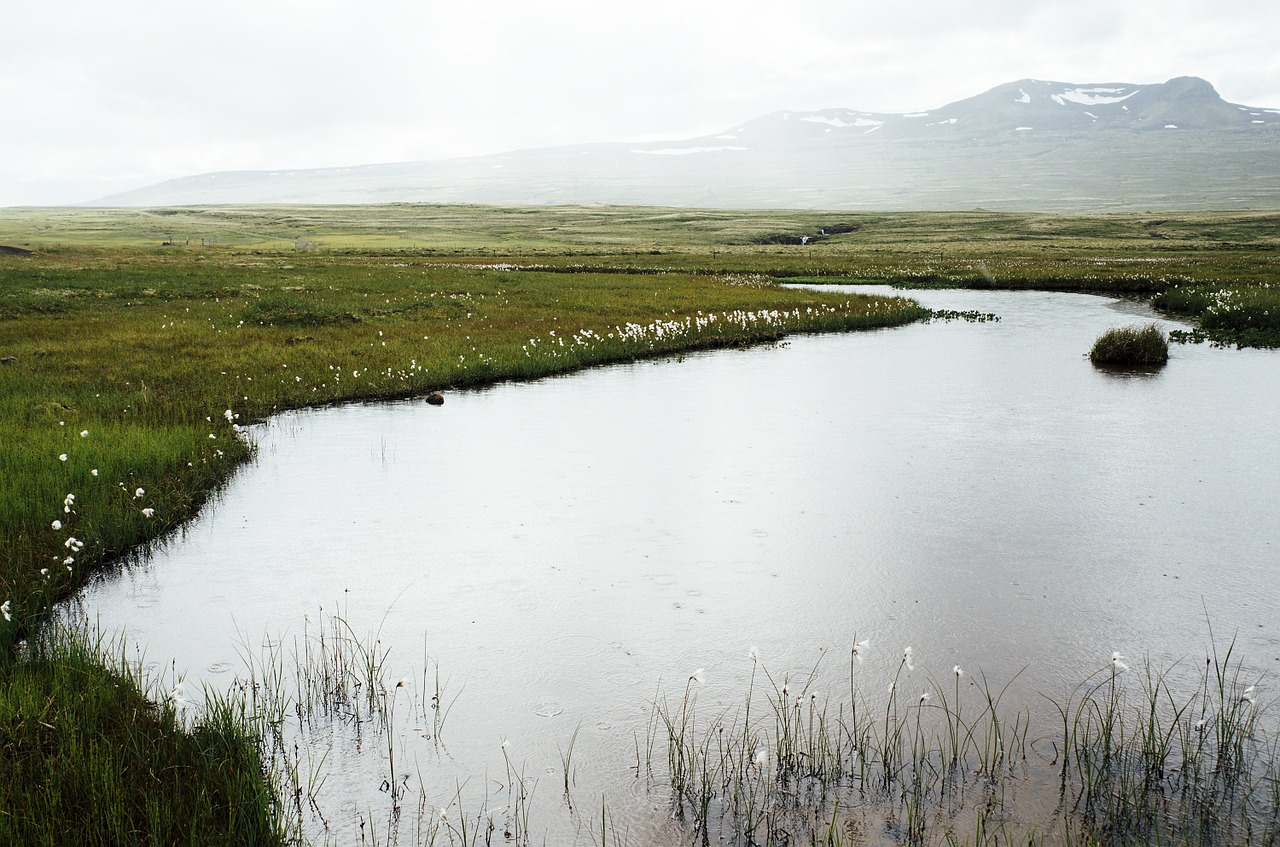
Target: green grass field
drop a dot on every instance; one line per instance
(133, 343)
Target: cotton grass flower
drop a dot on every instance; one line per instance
(698, 676)
(859, 648)
(1117, 665)
(94, 471)
(148, 512)
(958, 671)
(754, 653)
(908, 659)
(57, 524)
(84, 433)
(138, 495)
(4, 610)
(62, 457)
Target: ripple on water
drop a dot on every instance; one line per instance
(661, 578)
(548, 708)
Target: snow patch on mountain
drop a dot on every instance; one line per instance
(1024, 98)
(1092, 96)
(823, 119)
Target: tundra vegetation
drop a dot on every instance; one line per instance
(135, 344)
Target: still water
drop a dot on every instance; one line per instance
(562, 549)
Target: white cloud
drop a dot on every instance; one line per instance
(102, 96)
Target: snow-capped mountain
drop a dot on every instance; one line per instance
(1030, 105)
(1030, 144)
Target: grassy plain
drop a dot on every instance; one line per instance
(133, 343)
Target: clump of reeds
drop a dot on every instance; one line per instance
(1166, 764)
(796, 767)
(1131, 346)
(1138, 759)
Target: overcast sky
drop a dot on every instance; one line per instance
(97, 97)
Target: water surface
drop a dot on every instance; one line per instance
(563, 548)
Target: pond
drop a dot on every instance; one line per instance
(554, 554)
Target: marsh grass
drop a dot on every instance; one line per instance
(1160, 756)
(333, 688)
(1243, 315)
(94, 753)
(1130, 346)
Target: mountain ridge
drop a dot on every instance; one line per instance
(1033, 145)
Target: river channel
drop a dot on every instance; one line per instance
(562, 550)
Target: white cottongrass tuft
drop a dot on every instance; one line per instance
(84, 433)
(94, 471)
(860, 647)
(908, 659)
(57, 524)
(137, 495)
(924, 697)
(958, 671)
(754, 653)
(4, 610)
(62, 457)
(698, 676)
(148, 512)
(1117, 663)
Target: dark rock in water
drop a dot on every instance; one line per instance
(435, 398)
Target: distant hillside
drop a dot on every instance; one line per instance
(1027, 145)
